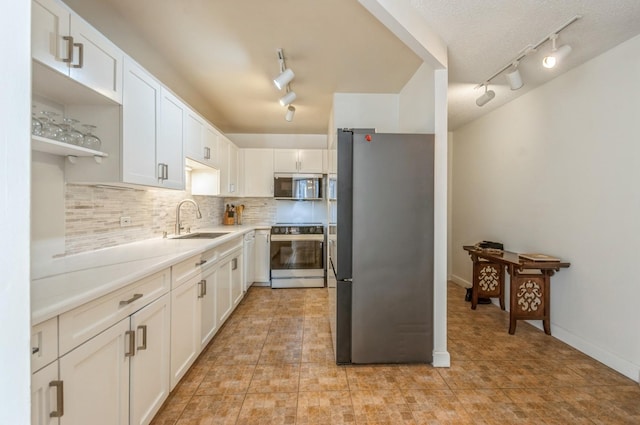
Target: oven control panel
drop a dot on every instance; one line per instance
(297, 229)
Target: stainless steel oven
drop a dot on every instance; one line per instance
(297, 256)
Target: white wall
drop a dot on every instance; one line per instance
(279, 141)
(558, 171)
(15, 150)
(416, 102)
(47, 207)
(366, 110)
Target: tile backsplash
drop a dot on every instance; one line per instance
(256, 210)
(92, 215)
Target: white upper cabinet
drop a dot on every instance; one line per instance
(210, 145)
(298, 160)
(169, 147)
(258, 172)
(228, 166)
(63, 41)
(152, 131)
(140, 108)
(200, 140)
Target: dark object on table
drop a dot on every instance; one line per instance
(492, 245)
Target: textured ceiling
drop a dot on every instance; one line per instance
(223, 52)
(484, 35)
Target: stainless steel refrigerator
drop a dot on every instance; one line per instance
(380, 272)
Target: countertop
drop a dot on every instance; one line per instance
(68, 282)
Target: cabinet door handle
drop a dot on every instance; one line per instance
(69, 41)
(163, 171)
(59, 399)
(130, 300)
(203, 288)
(132, 343)
(234, 264)
(143, 328)
(34, 350)
(199, 263)
(80, 55)
(207, 153)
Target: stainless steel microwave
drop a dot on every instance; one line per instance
(297, 186)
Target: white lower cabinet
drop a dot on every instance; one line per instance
(223, 290)
(46, 396)
(237, 278)
(124, 352)
(262, 264)
(120, 376)
(95, 376)
(149, 380)
(249, 259)
(207, 304)
(114, 368)
(185, 328)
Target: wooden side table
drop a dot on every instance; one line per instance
(530, 288)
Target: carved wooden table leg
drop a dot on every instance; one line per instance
(488, 281)
(530, 299)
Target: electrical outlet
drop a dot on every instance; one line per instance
(125, 221)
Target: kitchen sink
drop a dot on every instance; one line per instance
(201, 235)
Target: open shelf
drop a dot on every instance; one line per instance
(55, 147)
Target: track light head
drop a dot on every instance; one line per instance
(284, 78)
(486, 97)
(291, 110)
(288, 98)
(557, 53)
(514, 78)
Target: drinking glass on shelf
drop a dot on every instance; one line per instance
(36, 124)
(70, 134)
(90, 140)
(50, 129)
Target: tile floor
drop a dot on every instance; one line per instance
(272, 364)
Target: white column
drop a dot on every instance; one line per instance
(15, 173)
(440, 354)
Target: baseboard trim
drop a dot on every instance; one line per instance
(460, 281)
(441, 359)
(625, 367)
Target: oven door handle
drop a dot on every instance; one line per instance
(278, 238)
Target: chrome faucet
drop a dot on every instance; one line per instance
(178, 223)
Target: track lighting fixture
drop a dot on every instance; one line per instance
(284, 78)
(557, 53)
(513, 75)
(284, 81)
(514, 78)
(486, 97)
(291, 110)
(288, 98)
